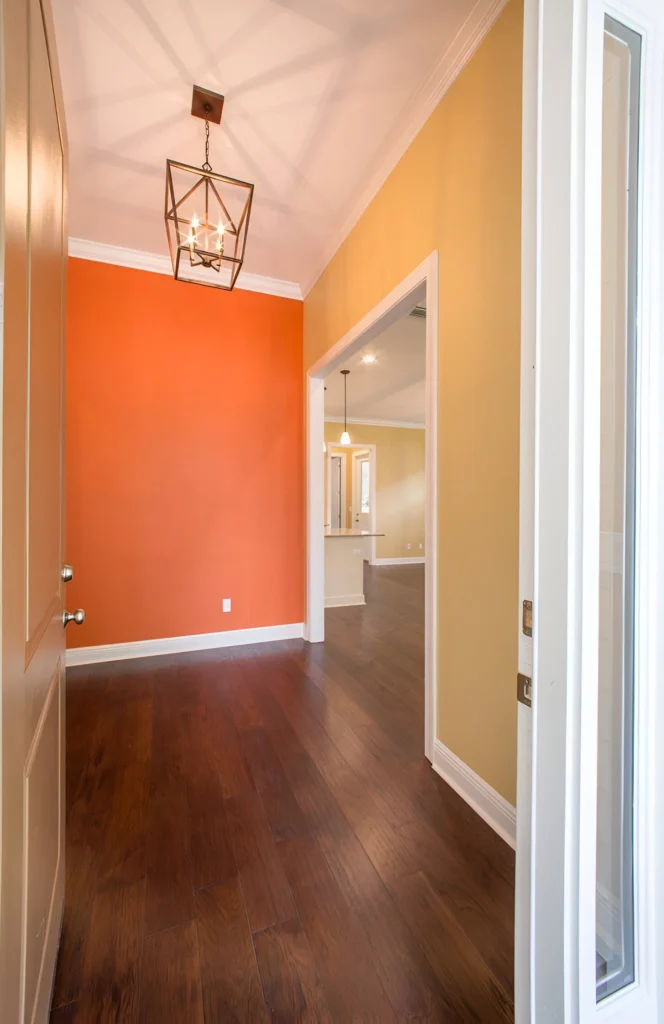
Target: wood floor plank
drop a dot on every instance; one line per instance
(171, 978)
(169, 891)
(470, 987)
(110, 969)
(267, 894)
(210, 849)
(340, 948)
(64, 1014)
(282, 809)
(293, 990)
(231, 985)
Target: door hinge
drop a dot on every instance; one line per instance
(524, 689)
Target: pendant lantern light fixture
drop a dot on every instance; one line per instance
(206, 213)
(345, 437)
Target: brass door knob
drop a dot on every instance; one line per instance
(78, 617)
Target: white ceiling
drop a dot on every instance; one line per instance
(318, 92)
(390, 389)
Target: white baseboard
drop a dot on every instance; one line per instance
(181, 644)
(399, 561)
(344, 601)
(490, 805)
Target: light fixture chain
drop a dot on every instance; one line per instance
(207, 166)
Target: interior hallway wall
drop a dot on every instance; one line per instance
(457, 189)
(185, 466)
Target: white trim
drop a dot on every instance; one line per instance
(423, 280)
(529, 150)
(156, 263)
(345, 601)
(376, 423)
(479, 22)
(181, 644)
(399, 561)
(483, 798)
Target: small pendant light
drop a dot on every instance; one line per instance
(345, 437)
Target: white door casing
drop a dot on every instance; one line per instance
(561, 318)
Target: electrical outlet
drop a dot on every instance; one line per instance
(226, 604)
(420, 547)
(407, 547)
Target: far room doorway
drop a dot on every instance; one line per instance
(371, 497)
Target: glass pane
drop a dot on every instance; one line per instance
(615, 886)
(364, 489)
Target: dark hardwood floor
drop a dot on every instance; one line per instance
(254, 834)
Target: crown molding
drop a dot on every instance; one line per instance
(375, 423)
(156, 263)
(423, 103)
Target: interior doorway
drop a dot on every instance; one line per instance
(420, 288)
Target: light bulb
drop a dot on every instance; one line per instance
(368, 357)
(220, 237)
(345, 438)
(194, 222)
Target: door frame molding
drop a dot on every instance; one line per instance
(422, 281)
(556, 879)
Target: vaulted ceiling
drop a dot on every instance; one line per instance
(322, 97)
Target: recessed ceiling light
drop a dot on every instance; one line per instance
(368, 357)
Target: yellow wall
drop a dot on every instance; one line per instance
(457, 189)
(400, 484)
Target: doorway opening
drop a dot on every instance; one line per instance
(418, 290)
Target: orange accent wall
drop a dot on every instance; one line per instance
(185, 468)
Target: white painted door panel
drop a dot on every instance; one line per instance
(34, 239)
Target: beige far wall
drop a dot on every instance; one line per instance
(400, 484)
(457, 189)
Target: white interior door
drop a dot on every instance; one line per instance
(34, 251)
(590, 900)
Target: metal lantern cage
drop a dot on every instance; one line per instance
(206, 213)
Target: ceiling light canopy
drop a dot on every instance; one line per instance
(206, 213)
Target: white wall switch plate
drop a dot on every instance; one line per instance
(226, 604)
